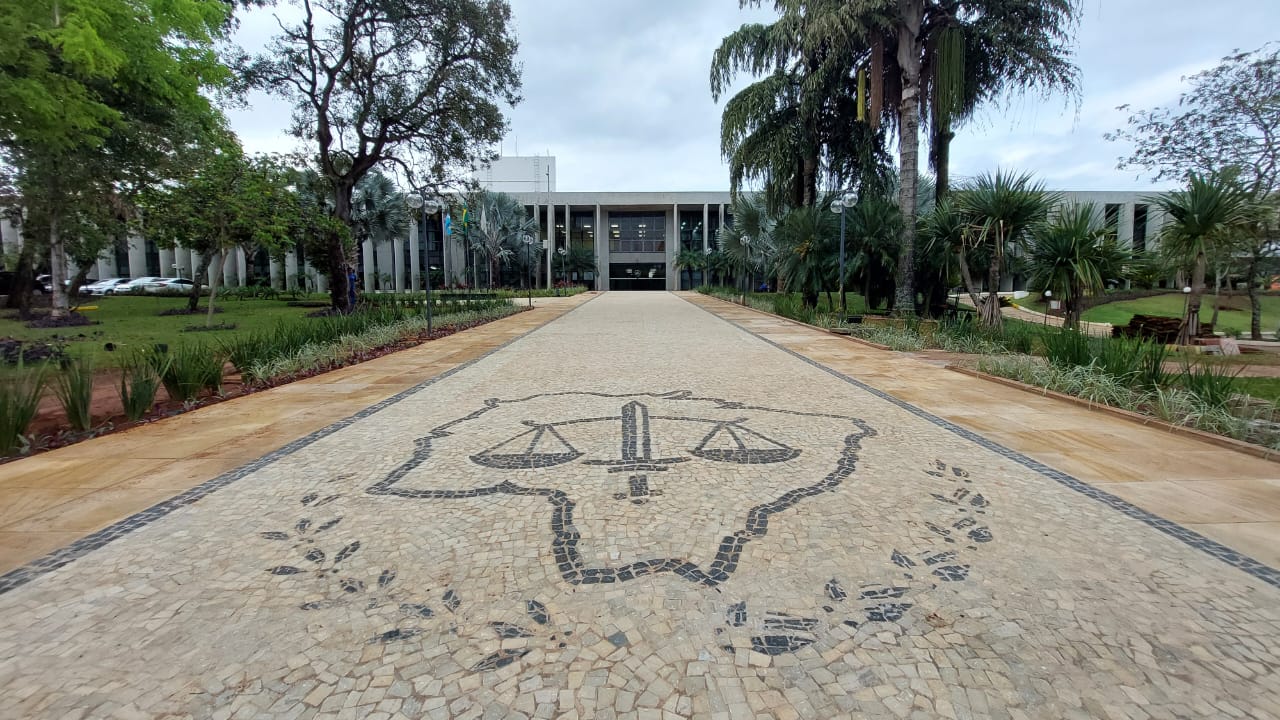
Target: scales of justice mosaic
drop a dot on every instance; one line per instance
(662, 455)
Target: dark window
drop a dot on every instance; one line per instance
(1111, 219)
(713, 226)
(582, 227)
(637, 276)
(691, 229)
(152, 254)
(122, 259)
(638, 232)
(1139, 228)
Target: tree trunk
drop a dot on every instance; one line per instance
(215, 276)
(1217, 300)
(336, 252)
(910, 16)
(57, 269)
(990, 314)
(810, 180)
(1255, 299)
(193, 300)
(24, 277)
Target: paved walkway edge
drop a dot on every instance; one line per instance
(1253, 567)
(79, 548)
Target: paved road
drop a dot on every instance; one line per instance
(640, 510)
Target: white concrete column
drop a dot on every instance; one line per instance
(706, 243)
(397, 263)
(137, 257)
(229, 269)
(415, 258)
(275, 271)
(105, 266)
(366, 252)
(385, 264)
(291, 279)
(166, 263)
(242, 268)
(721, 214)
(673, 242)
(602, 251)
(549, 252)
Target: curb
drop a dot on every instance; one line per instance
(1219, 440)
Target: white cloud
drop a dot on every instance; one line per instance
(619, 91)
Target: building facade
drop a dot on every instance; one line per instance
(635, 237)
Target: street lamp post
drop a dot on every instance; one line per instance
(429, 206)
(562, 253)
(529, 242)
(746, 246)
(838, 206)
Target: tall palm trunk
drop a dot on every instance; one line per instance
(1191, 324)
(1255, 301)
(910, 16)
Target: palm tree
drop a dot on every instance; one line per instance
(1072, 254)
(1207, 217)
(581, 260)
(792, 131)
(690, 260)
(873, 227)
(378, 211)
(806, 242)
(747, 244)
(999, 209)
(498, 231)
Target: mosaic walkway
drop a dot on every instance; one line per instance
(641, 510)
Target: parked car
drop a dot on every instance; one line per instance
(102, 287)
(132, 285)
(169, 285)
(44, 284)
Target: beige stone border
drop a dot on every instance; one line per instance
(1219, 440)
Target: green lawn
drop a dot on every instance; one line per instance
(1230, 321)
(132, 321)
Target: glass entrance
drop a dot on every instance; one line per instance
(637, 276)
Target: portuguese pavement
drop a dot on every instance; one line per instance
(659, 506)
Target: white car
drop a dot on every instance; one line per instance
(169, 285)
(102, 287)
(134, 284)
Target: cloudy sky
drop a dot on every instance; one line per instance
(617, 90)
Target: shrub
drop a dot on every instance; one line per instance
(1067, 347)
(1214, 384)
(74, 388)
(139, 381)
(189, 369)
(19, 400)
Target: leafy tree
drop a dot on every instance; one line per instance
(411, 83)
(998, 209)
(1073, 255)
(229, 201)
(86, 81)
(1209, 215)
(1227, 122)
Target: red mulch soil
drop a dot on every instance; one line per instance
(49, 427)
